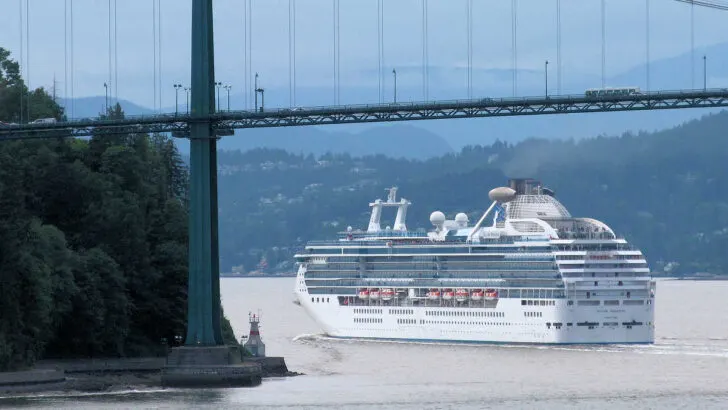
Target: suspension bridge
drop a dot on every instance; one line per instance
(206, 122)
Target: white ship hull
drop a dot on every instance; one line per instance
(508, 322)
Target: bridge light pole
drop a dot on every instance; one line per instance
(255, 91)
(187, 89)
(546, 76)
(262, 98)
(176, 98)
(227, 88)
(106, 103)
(218, 85)
(394, 72)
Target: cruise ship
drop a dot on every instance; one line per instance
(526, 272)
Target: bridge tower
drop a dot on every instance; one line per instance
(203, 298)
(204, 360)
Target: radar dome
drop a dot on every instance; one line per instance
(349, 229)
(502, 194)
(461, 219)
(437, 218)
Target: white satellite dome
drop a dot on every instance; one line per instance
(437, 218)
(461, 219)
(502, 194)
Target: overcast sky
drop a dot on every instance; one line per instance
(536, 39)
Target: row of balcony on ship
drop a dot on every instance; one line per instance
(389, 248)
(472, 274)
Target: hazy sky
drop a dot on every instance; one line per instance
(536, 40)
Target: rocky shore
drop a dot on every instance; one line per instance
(106, 375)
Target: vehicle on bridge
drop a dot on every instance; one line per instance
(612, 91)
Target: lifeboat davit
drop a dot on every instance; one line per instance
(491, 294)
(387, 294)
(477, 295)
(364, 294)
(461, 295)
(433, 294)
(374, 294)
(448, 294)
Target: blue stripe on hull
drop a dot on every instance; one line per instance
(445, 341)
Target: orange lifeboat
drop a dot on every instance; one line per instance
(374, 294)
(433, 294)
(491, 294)
(477, 295)
(364, 294)
(387, 294)
(461, 295)
(448, 294)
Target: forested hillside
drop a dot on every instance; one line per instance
(93, 234)
(667, 192)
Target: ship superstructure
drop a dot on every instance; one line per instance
(525, 272)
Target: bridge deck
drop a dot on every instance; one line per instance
(178, 124)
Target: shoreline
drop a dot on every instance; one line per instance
(73, 376)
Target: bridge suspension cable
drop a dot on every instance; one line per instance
(714, 4)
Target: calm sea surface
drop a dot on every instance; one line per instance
(687, 367)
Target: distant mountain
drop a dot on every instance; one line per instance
(87, 107)
(400, 140)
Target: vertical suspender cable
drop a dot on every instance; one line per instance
(514, 45)
(22, 63)
(379, 52)
(290, 59)
(471, 49)
(604, 44)
(250, 48)
(116, 61)
(558, 47)
(333, 45)
(425, 34)
(73, 101)
(294, 52)
(154, 48)
(110, 58)
(692, 44)
(246, 75)
(338, 53)
(384, 77)
(159, 38)
(27, 55)
(647, 43)
(424, 77)
(65, 57)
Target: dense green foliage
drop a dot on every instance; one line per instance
(666, 192)
(93, 260)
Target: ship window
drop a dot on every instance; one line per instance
(523, 302)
